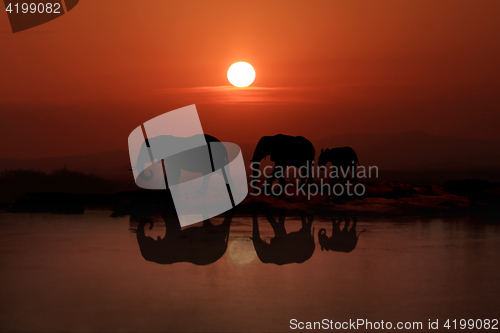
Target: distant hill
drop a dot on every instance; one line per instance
(414, 157)
(417, 150)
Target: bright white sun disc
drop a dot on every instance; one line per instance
(241, 74)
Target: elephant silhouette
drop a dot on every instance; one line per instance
(341, 240)
(343, 158)
(201, 245)
(284, 150)
(284, 248)
(201, 159)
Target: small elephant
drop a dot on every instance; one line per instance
(341, 240)
(284, 150)
(344, 158)
(284, 248)
(201, 245)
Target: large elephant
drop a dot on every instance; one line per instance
(202, 159)
(341, 240)
(284, 248)
(201, 245)
(343, 158)
(284, 150)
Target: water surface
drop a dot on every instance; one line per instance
(86, 273)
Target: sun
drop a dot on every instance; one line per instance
(241, 74)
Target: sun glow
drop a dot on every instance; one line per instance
(241, 74)
(241, 251)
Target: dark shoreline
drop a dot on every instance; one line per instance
(381, 199)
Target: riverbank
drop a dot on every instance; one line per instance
(379, 199)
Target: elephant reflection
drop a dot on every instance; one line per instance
(284, 150)
(201, 245)
(341, 240)
(284, 248)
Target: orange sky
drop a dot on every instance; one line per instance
(82, 82)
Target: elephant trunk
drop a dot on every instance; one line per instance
(323, 239)
(255, 165)
(140, 228)
(144, 157)
(146, 177)
(360, 233)
(259, 153)
(263, 149)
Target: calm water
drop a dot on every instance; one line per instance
(86, 273)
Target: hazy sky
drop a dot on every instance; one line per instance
(82, 82)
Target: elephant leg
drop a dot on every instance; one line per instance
(281, 219)
(311, 178)
(255, 231)
(346, 224)
(278, 227)
(345, 171)
(270, 180)
(278, 168)
(336, 225)
(339, 172)
(228, 217)
(172, 224)
(226, 224)
(282, 179)
(303, 223)
(330, 174)
(306, 224)
(302, 181)
(262, 249)
(207, 223)
(204, 186)
(310, 219)
(173, 174)
(348, 168)
(303, 178)
(354, 222)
